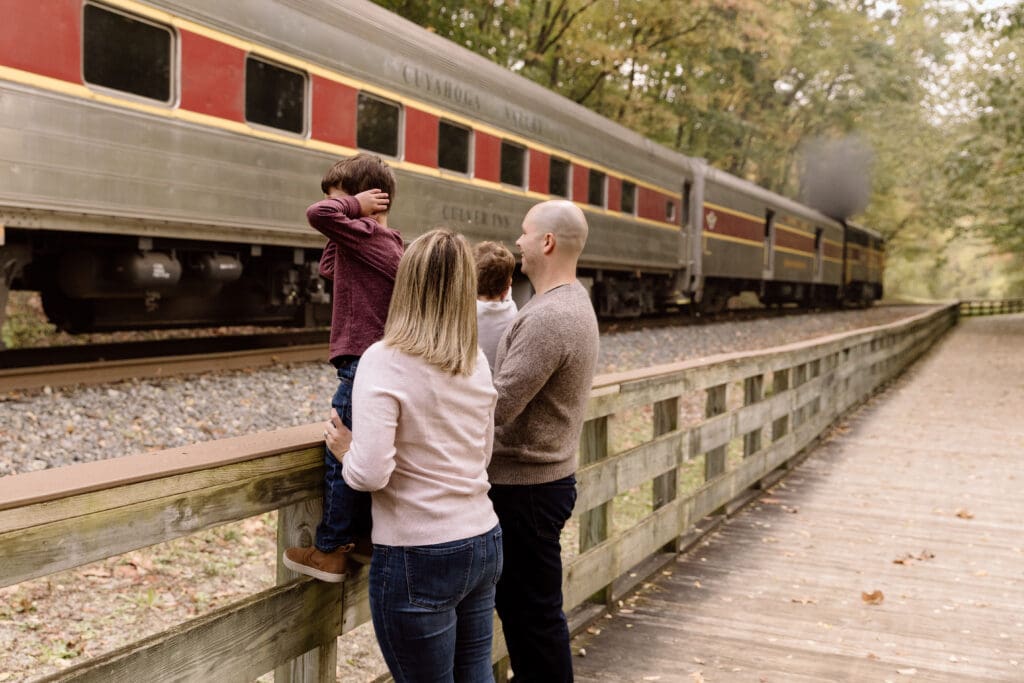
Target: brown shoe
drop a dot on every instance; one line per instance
(330, 567)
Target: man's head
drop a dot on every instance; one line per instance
(554, 234)
(494, 266)
(359, 173)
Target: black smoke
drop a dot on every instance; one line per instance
(836, 177)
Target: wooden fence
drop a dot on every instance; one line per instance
(761, 409)
(991, 306)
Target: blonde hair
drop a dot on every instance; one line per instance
(433, 307)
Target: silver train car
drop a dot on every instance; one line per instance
(157, 158)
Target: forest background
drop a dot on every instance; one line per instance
(920, 103)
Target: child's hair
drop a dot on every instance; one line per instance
(494, 266)
(433, 310)
(358, 174)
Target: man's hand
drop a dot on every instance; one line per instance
(372, 202)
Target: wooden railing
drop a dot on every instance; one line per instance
(991, 306)
(785, 397)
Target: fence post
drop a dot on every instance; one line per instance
(595, 524)
(780, 383)
(296, 526)
(714, 460)
(753, 392)
(663, 490)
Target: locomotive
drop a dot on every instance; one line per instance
(158, 157)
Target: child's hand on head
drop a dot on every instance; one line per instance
(372, 202)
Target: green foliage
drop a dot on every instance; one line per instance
(746, 84)
(24, 325)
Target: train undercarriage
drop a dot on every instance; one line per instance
(91, 283)
(102, 283)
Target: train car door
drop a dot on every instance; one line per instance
(819, 254)
(685, 259)
(768, 266)
(691, 246)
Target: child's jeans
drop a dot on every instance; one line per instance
(346, 513)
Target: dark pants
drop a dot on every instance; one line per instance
(346, 514)
(433, 608)
(529, 597)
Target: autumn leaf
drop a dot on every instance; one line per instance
(964, 514)
(873, 598)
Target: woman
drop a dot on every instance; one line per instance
(424, 424)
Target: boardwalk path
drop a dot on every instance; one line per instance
(918, 496)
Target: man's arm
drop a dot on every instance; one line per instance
(526, 367)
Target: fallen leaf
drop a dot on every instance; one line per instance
(964, 514)
(873, 598)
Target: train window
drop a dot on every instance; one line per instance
(628, 197)
(670, 211)
(595, 190)
(513, 163)
(377, 125)
(275, 96)
(558, 177)
(125, 53)
(453, 147)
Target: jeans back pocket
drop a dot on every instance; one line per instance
(438, 577)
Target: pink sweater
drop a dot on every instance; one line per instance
(421, 442)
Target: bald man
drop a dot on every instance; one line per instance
(543, 371)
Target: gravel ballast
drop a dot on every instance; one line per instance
(56, 427)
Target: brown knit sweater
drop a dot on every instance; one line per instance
(543, 372)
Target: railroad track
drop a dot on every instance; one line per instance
(85, 364)
(104, 363)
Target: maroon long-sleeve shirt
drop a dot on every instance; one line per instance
(361, 257)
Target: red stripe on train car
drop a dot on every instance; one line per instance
(785, 238)
(580, 183)
(540, 172)
(421, 136)
(488, 157)
(735, 226)
(44, 37)
(212, 77)
(334, 112)
(832, 251)
(614, 193)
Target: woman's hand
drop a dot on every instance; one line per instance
(337, 436)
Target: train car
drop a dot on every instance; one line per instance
(157, 158)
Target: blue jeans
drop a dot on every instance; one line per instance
(529, 596)
(346, 512)
(433, 607)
